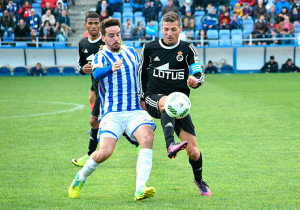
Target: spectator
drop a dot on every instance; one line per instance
(104, 15)
(12, 8)
(32, 38)
(214, 3)
(22, 31)
(139, 32)
(60, 35)
(138, 5)
(209, 8)
(64, 21)
(270, 67)
(169, 7)
(52, 3)
(259, 10)
(47, 32)
(236, 22)
(286, 30)
(290, 67)
(103, 6)
(237, 9)
(116, 6)
(210, 21)
(149, 12)
(188, 20)
(297, 4)
(128, 30)
(272, 17)
(150, 30)
(34, 20)
(295, 15)
(250, 2)
(284, 12)
(59, 8)
(261, 30)
(210, 68)
(247, 12)
(187, 7)
(224, 9)
(24, 11)
(274, 37)
(37, 70)
(157, 6)
(48, 16)
(202, 36)
(46, 8)
(7, 24)
(199, 5)
(280, 4)
(224, 20)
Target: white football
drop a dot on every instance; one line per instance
(177, 105)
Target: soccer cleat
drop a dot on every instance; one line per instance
(203, 187)
(80, 161)
(75, 187)
(143, 193)
(176, 147)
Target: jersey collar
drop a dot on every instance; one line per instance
(96, 40)
(168, 47)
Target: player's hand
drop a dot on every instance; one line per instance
(87, 69)
(143, 105)
(117, 65)
(192, 81)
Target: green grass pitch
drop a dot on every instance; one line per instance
(247, 128)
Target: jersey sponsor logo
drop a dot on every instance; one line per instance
(156, 59)
(179, 57)
(165, 72)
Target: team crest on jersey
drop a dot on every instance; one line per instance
(179, 56)
(100, 47)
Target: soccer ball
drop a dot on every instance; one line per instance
(177, 105)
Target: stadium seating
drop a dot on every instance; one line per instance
(20, 71)
(248, 26)
(53, 71)
(212, 34)
(21, 44)
(224, 36)
(47, 45)
(139, 18)
(237, 36)
(4, 71)
(59, 45)
(117, 15)
(69, 71)
(198, 23)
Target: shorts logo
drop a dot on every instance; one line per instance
(179, 57)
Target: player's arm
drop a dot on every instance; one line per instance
(81, 60)
(142, 73)
(100, 72)
(197, 75)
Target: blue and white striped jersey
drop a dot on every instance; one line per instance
(118, 90)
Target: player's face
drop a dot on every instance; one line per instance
(112, 38)
(171, 31)
(93, 26)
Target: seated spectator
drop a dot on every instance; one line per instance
(210, 68)
(295, 15)
(210, 21)
(284, 12)
(189, 36)
(60, 35)
(272, 17)
(103, 6)
(139, 32)
(7, 24)
(202, 37)
(286, 30)
(24, 11)
(34, 20)
(48, 16)
(104, 15)
(199, 5)
(188, 20)
(214, 3)
(223, 9)
(59, 8)
(187, 7)
(46, 8)
(280, 4)
(261, 30)
(250, 2)
(52, 3)
(236, 22)
(170, 7)
(289, 67)
(150, 30)
(138, 5)
(12, 8)
(22, 31)
(117, 6)
(64, 21)
(270, 67)
(238, 10)
(149, 12)
(297, 4)
(47, 32)
(37, 70)
(274, 37)
(247, 11)
(208, 8)
(259, 10)
(128, 30)
(32, 38)
(224, 20)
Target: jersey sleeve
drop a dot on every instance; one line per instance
(142, 73)
(193, 60)
(99, 71)
(81, 60)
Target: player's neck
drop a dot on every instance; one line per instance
(93, 38)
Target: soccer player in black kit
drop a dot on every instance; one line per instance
(164, 68)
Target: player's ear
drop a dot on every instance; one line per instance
(102, 37)
(85, 25)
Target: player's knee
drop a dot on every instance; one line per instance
(94, 122)
(147, 140)
(101, 156)
(193, 152)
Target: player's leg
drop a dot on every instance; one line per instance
(92, 97)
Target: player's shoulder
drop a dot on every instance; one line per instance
(83, 41)
(131, 49)
(151, 44)
(186, 44)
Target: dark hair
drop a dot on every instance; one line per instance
(91, 14)
(108, 23)
(171, 17)
(209, 61)
(272, 57)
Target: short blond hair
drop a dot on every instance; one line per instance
(171, 17)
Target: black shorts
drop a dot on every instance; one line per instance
(152, 107)
(96, 109)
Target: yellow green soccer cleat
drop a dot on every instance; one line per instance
(143, 193)
(80, 161)
(75, 187)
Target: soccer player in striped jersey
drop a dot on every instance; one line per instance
(116, 67)
(165, 67)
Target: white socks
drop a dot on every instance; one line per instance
(89, 167)
(143, 167)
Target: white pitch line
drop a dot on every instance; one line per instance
(77, 107)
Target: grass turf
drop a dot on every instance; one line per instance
(247, 128)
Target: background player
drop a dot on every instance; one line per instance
(116, 67)
(164, 68)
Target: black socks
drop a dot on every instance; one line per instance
(197, 168)
(167, 124)
(93, 141)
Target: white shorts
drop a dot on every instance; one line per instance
(114, 124)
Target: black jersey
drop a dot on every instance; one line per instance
(165, 69)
